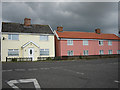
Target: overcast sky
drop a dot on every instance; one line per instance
(80, 16)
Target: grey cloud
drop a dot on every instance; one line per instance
(82, 16)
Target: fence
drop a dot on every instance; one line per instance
(90, 56)
(45, 58)
(63, 57)
(18, 59)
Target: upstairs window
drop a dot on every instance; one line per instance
(100, 42)
(109, 42)
(85, 42)
(44, 52)
(85, 52)
(69, 42)
(101, 52)
(13, 37)
(43, 37)
(13, 52)
(109, 51)
(118, 51)
(70, 53)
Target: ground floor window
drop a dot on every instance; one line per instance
(109, 51)
(118, 51)
(101, 52)
(13, 52)
(44, 52)
(70, 53)
(85, 52)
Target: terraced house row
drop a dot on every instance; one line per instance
(35, 41)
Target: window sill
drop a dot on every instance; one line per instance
(13, 40)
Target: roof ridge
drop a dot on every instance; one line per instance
(77, 34)
(90, 32)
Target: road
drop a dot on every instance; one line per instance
(97, 73)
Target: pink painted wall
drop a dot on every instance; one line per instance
(93, 47)
(57, 47)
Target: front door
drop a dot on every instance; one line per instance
(31, 53)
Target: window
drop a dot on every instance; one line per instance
(101, 52)
(70, 53)
(109, 42)
(109, 51)
(13, 37)
(13, 52)
(69, 42)
(85, 42)
(44, 37)
(85, 52)
(118, 51)
(44, 52)
(100, 42)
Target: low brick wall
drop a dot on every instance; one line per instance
(90, 56)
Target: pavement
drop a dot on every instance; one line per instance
(96, 73)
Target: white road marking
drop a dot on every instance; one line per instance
(19, 69)
(6, 70)
(32, 69)
(12, 82)
(80, 73)
(73, 71)
(116, 81)
(44, 68)
(30, 80)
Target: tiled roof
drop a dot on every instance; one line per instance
(20, 28)
(86, 35)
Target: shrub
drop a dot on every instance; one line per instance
(57, 58)
(14, 59)
(80, 57)
(49, 58)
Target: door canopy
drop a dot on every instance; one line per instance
(26, 44)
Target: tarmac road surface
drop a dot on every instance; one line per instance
(97, 73)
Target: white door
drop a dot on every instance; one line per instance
(31, 53)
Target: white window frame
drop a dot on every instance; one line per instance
(69, 42)
(101, 51)
(109, 42)
(70, 52)
(13, 51)
(85, 52)
(85, 42)
(110, 52)
(101, 43)
(45, 37)
(44, 52)
(11, 36)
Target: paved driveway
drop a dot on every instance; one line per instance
(97, 73)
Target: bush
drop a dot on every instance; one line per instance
(57, 58)
(49, 58)
(80, 57)
(14, 59)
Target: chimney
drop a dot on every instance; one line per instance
(97, 31)
(60, 28)
(27, 21)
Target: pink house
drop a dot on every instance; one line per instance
(72, 43)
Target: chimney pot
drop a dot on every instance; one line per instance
(27, 21)
(60, 28)
(97, 31)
